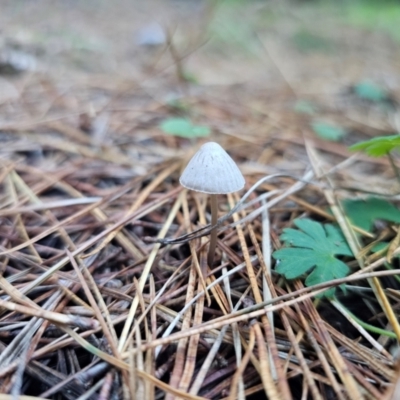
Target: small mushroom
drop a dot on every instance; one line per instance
(211, 170)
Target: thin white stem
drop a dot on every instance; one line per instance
(213, 235)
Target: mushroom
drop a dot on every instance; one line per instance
(211, 170)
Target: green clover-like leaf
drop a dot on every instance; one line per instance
(378, 146)
(183, 127)
(369, 91)
(313, 249)
(363, 212)
(328, 131)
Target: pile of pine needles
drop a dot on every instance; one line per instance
(95, 304)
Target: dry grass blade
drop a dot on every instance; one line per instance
(363, 332)
(237, 381)
(192, 347)
(49, 315)
(265, 369)
(276, 366)
(146, 272)
(320, 354)
(242, 366)
(294, 340)
(179, 364)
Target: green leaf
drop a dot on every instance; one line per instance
(369, 91)
(183, 127)
(379, 246)
(328, 131)
(312, 249)
(378, 146)
(363, 213)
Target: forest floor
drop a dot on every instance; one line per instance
(102, 281)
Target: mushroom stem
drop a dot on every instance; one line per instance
(213, 237)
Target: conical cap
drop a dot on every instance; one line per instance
(211, 170)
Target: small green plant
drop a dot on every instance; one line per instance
(369, 91)
(378, 146)
(344, 310)
(313, 247)
(363, 212)
(381, 146)
(183, 127)
(328, 131)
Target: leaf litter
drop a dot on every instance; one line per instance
(91, 309)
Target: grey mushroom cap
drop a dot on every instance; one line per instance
(211, 170)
